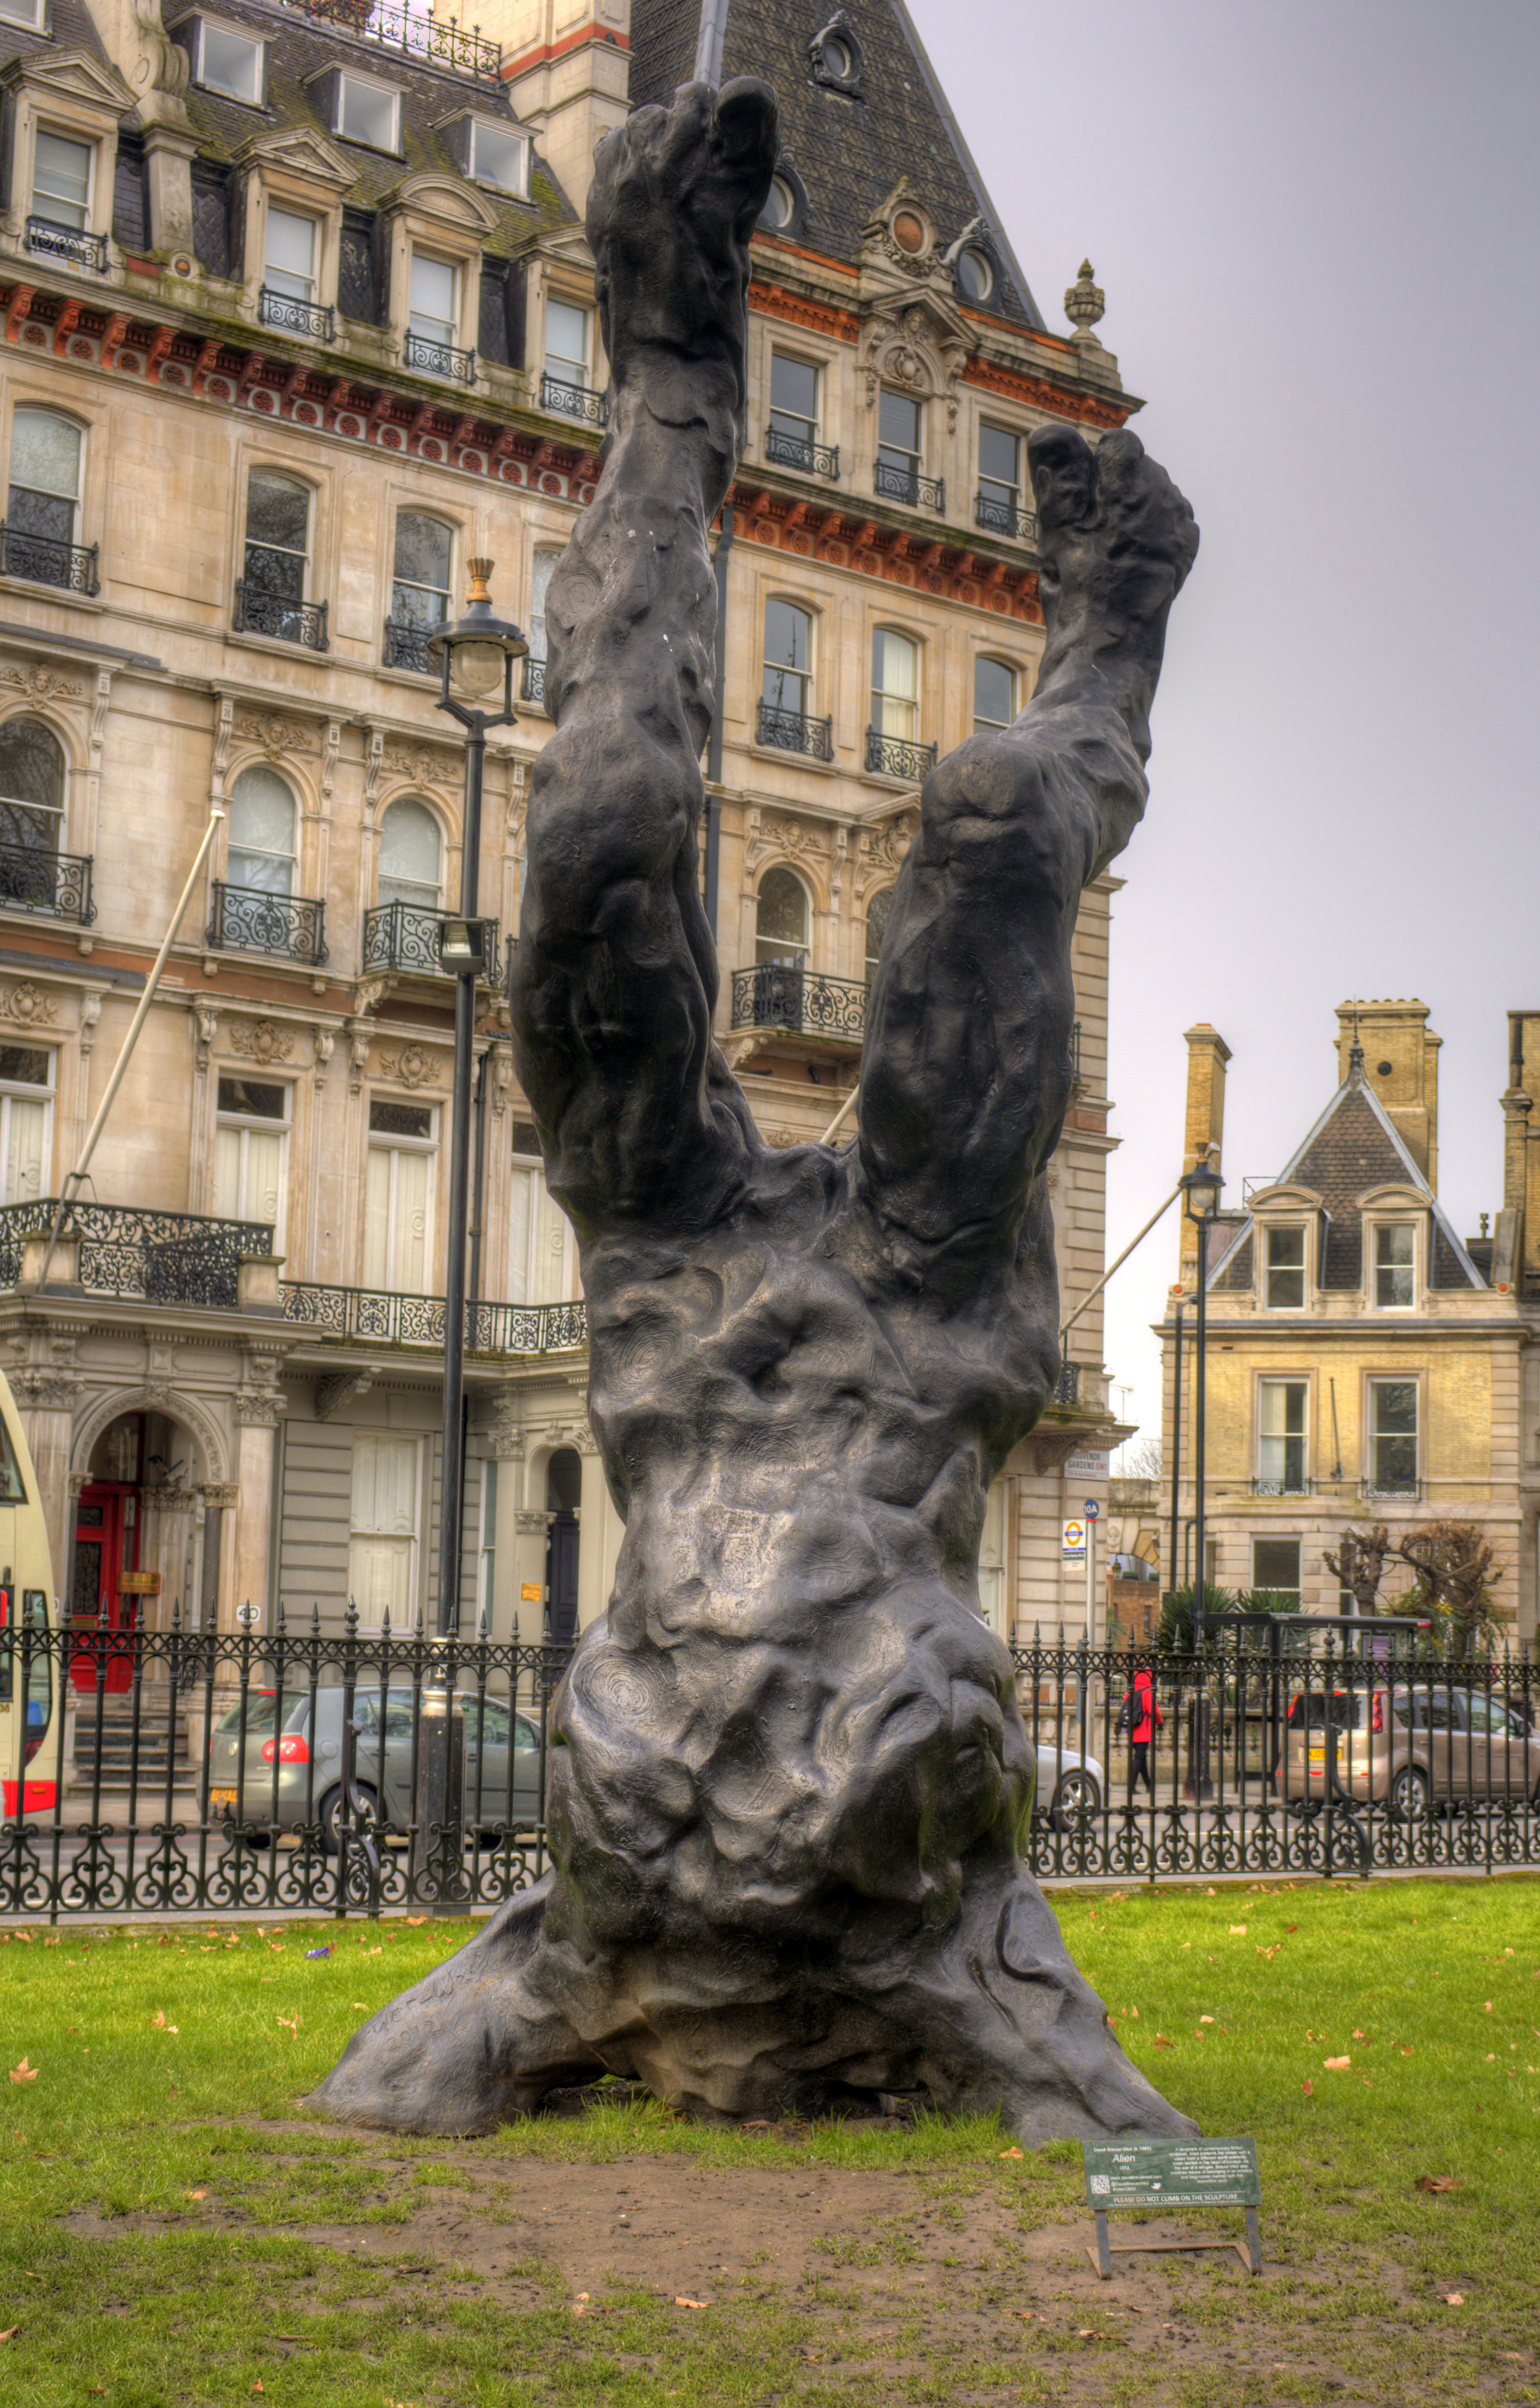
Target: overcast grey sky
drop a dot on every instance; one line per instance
(1316, 228)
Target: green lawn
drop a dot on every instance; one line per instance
(169, 2065)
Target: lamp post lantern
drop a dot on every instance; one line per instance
(476, 657)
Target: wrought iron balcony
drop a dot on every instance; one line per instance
(66, 244)
(406, 647)
(159, 1257)
(532, 684)
(1390, 1491)
(402, 936)
(432, 38)
(893, 484)
(779, 995)
(1066, 1388)
(292, 317)
(439, 360)
(35, 879)
(789, 731)
(894, 756)
(358, 1316)
(564, 400)
(1294, 1484)
(800, 452)
(1003, 518)
(249, 920)
(45, 562)
(257, 613)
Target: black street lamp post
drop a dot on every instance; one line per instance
(477, 656)
(1201, 1202)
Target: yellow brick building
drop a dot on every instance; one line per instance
(1363, 1363)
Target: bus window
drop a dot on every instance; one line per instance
(39, 1672)
(12, 1490)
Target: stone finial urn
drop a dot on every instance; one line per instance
(1085, 303)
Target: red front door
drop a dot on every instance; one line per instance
(106, 1542)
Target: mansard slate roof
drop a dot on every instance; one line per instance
(1353, 1147)
(848, 148)
(69, 28)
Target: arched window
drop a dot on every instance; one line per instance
(993, 697)
(43, 502)
(411, 856)
(880, 911)
(262, 833)
(896, 684)
(780, 930)
(32, 800)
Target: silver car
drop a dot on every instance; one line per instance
(291, 1776)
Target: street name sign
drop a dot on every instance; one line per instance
(1126, 2177)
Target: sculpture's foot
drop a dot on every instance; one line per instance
(468, 2047)
(1116, 540)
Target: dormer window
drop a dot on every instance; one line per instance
(227, 62)
(500, 156)
(367, 112)
(29, 13)
(1285, 1269)
(1395, 1267)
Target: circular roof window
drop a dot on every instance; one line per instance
(837, 58)
(780, 205)
(1386, 1069)
(908, 232)
(975, 276)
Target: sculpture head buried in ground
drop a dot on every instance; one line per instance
(789, 1778)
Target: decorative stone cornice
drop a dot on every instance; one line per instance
(1016, 384)
(907, 556)
(799, 310)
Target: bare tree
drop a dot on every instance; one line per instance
(1359, 1564)
(1455, 1571)
(1140, 1458)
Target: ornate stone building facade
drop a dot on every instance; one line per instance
(298, 318)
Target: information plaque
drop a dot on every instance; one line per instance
(1129, 2177)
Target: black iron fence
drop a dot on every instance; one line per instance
(363, 1316)
(248, 919)
(182, 1258)
(418, 36)
(780, 995)
(439, 359)
(294, 317)
(35, 877)
(347, 1771)
(44, 561)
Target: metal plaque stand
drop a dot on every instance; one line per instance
(1104, 2251)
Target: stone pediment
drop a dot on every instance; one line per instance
(1395, 1195)
(296, 151)
(1285, 1195)
(74, 74)
(446, 200)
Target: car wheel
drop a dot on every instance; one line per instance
(1410, 1795)
(331, 1815)
(1077, 1797)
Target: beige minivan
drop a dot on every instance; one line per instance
(1408, 1748)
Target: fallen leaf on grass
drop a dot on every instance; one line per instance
(1452, 2299)
(291, 2024)
(195, 2194)
(1161, 2042)
(1237, 1932)
(1407, 2052)
(413, 1920)
(1358, 2035)
(1010, 2153)
(257, 2386)
(1206, 2020)
(1290, 1926)
(1308, 2089)
(359, 2007)
(1487, 2008)
(683, 2302)
(53, 1940)
(24, 2072)
(1438, 2182)
(1336, 2064)
(10, 2332)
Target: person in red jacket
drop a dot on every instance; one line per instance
(1141, 1718)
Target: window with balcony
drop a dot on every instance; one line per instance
(892, 740)
(227, 62)
(791, 439)
(544, 568)
(61, 179)
(1284, 1274)
(780, 920)
(879, 910)
(369, 112)
(786, 718)
(500, 156)
(542, 1247)
(251, 1151)
(994, 703)
(899, 447)
(432, 321)
(262, 833)
(997, 505)
(1276, 1569)
(1281, 1441)
(401, 933)
(1392, 1437)
(383, 1535)
(270, 598)
(39, 537)
(419, 589)
(288, 288)
(398, 1196)
(566, 382)
(1395, 1267)
(35, 875)
(255, 909)
(26, 1122)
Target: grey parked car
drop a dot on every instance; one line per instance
(309, 1761)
